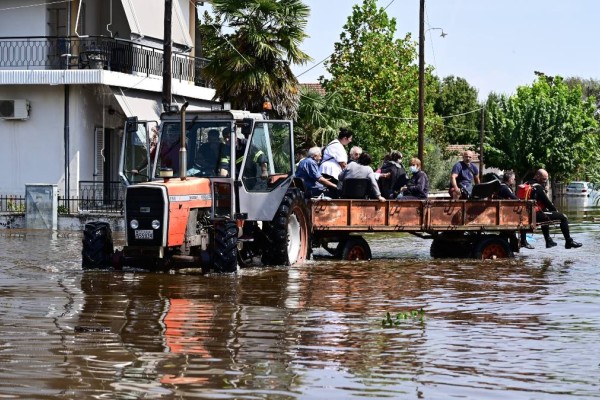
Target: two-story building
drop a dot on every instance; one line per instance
(72, 71)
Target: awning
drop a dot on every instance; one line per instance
(147, 106)
(146, 18)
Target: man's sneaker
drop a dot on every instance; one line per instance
(550, 243)
(571, 244)
(527, 245)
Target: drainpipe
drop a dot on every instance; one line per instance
(66, 138)
(66, 118)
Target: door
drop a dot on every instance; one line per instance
(137, 151)
(267, 169)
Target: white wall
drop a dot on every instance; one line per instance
(23, 21)
(30, 148)
(32, 151)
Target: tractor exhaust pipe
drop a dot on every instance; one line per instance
(182, 149)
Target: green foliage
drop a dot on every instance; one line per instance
(317, 123)
(458, 99)
(389, 322)
(63, 210)
(545, 125)
(252, 63)
(438, 166)
(377, 79)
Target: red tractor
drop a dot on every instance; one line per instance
(216, 191)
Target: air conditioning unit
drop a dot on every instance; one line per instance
(14, 109)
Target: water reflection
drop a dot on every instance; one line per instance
(521, 328)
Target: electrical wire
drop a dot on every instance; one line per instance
(35, 5)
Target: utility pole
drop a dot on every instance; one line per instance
(481, 135)
(167, 53)
(422, 82)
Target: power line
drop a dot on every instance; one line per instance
(35, 5)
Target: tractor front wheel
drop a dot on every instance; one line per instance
(98, 246)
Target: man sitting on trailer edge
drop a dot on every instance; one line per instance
(546, 212)
(308, 170)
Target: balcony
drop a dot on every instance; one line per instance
(95, 52)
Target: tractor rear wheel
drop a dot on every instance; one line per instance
(288, 233)
(225, 247)
(98, 246)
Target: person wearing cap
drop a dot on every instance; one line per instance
(393, 175)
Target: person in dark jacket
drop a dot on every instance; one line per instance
(506, 192)
(392, 166)
(418, 185)
(546, 211)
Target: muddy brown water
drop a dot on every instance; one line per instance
(526, 328)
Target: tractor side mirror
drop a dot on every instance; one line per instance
(131, 125)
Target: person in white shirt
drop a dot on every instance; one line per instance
(335, 157)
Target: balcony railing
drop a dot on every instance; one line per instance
(95, 52)
(94, 197)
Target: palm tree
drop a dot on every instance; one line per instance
(252, 63)
(317, 122)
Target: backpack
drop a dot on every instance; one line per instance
(323, 152)
(524, 191)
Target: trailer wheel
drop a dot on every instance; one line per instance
(355, 248)
(288, 233)
(492, 247)
(225, 254)
(98, 246)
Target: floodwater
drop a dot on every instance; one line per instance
(526, 328)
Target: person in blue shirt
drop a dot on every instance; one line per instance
(464, 174)
(308, 170)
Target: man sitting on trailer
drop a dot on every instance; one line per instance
(464, 174)
(314, 183)
(546, 212)
(506, 192)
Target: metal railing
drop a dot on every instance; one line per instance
(94, 197)
(12, 204)
(95, 52)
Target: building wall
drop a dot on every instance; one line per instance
(31, 147)
(32, 150)
(12, 20)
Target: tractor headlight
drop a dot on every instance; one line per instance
(155, 224)
(134, 224)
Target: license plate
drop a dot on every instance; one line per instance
(144, 234)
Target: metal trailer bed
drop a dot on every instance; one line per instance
(480, 229)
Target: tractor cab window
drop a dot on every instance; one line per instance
(139, 148)
(208, 148)
(268, 158)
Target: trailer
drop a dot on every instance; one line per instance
(480, 229)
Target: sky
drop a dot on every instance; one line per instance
(495, 45)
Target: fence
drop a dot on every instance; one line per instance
(95, 52)
(94, 197)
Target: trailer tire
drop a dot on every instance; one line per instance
(288, 232)
(492, 247)
(225, 246)
(98, 248)
(355, 248)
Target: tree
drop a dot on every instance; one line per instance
(546, 125)
(252, 63)
(456, 102)
(317, 123)
(377, 79)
